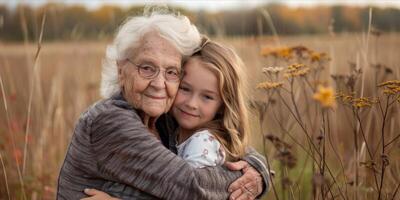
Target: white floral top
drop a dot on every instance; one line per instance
(202, 149)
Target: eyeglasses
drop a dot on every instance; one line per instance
(148, 71)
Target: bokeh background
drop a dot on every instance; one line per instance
(50, 65)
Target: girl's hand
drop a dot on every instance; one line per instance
(97, 195)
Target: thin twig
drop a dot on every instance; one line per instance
(5, 176)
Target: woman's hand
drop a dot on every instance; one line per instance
(97, 195)
(248, 186)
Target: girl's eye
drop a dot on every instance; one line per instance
(185, 89)
(208, 97)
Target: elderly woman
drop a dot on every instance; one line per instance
(117, 141)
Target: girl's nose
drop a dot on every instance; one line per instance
(192, 103)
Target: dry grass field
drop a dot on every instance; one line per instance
(348, 149)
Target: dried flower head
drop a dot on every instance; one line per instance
(296, 70)
(301, 51)
(362, 102)
(269, 85)
(325, 96)
(345, 98)
(272, 69)
(369, 164)
(284, 153)
(320, 180)
(390, 87)
(376, 32)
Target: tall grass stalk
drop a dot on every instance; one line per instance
(32, 84)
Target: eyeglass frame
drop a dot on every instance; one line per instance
(139, 66)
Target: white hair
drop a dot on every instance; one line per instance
(175, 28)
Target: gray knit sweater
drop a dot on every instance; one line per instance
(110, 143)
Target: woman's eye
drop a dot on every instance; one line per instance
(148, 68)
(172, 72)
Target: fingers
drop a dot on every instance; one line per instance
(235, 194)
(236, 166)
(243, 180)
(245, 196)
(242, 194)
(91, 192)
(249, 175)
(247, 186)
(257, 184)
(96, 195)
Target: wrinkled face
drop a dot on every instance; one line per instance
(198, 99)
(153, 96)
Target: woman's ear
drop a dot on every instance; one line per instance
(120, 67)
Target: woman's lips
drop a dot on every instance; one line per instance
(156, 97)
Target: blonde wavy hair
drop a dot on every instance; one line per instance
(230, 126)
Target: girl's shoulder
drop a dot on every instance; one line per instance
(204, 136)
(202, 149)
(202, 133)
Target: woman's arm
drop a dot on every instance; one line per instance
(166, 126)
(126, 152)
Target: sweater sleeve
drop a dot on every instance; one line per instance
(258, 161)
(128, 153)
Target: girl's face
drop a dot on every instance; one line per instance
(198, 98)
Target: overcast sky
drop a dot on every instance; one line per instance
(211, 5)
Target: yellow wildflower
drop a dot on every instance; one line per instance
(285, 53)
(269, 85)
(325, 96)
(282, 52)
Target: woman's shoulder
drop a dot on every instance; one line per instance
(110, 107)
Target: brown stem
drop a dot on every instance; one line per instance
(383, 165)
(366, 145)
(266, 157)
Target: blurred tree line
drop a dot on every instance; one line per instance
(76, 22)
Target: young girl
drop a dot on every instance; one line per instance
(210, 108)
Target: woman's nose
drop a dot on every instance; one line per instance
(158, 82)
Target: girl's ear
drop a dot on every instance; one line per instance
(220, 111)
